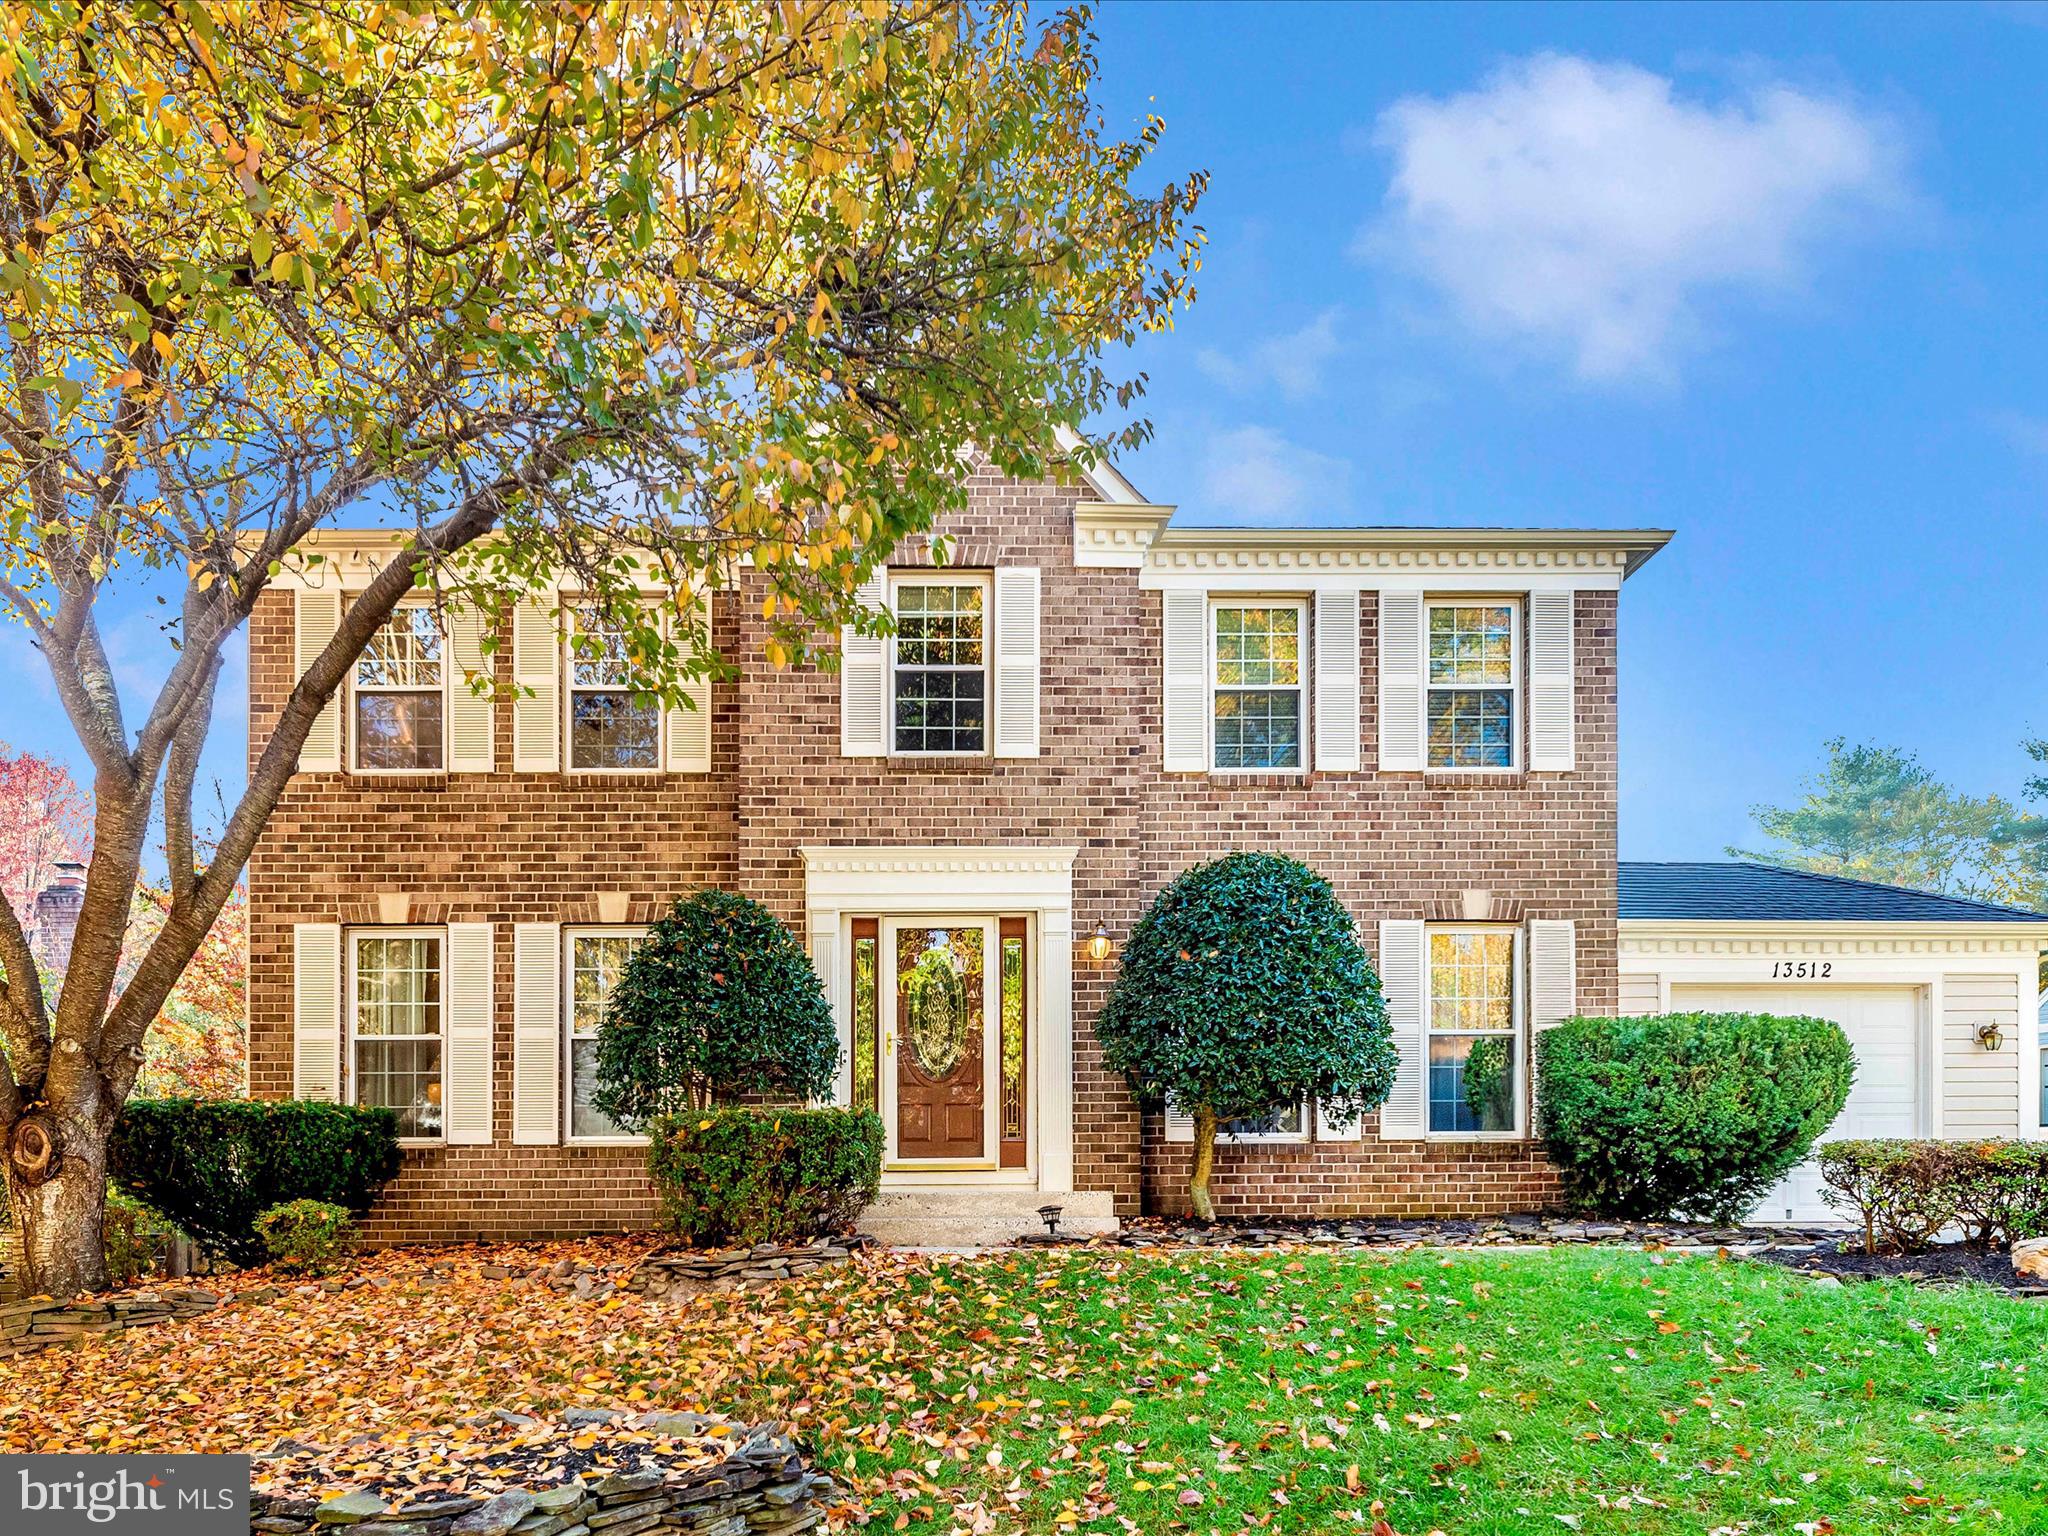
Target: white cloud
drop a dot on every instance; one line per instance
(1587, 210)
(1253, 475)
(1292, 364)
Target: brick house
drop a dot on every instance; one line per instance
(962, 823)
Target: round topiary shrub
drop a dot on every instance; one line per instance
(1244, 989)
(1694, 1114)
(719, 1001)
(764, 1175)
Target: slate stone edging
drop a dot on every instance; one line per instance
(43, 1321)
(762, 1486)
(1530, 1230)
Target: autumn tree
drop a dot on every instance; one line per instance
(598, 293)
(45, 818)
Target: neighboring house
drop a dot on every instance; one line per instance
(1083, 702)
(1937, 994)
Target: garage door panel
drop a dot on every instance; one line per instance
(1883, 1028)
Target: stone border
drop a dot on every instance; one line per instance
(1532, 1230)
(43, 1322)
(760, 1487)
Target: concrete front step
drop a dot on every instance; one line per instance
(940, 1217)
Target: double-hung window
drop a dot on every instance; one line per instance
(399, 697)
(1258, 715)
(939, 665)
(396, 1026)
(1475, 655)
(612, 727)
(597, 958)
(1475, 1034)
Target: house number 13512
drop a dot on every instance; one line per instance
(1802, 970)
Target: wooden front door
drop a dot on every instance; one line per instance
(942, 982)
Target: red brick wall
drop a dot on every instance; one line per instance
(528, 847)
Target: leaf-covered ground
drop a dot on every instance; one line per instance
(1111, 1391)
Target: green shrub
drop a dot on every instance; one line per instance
(135, 1240)
(1243, 989)
(719, 1001)
(764, 1175)
(1686, 1113)
(212, 1166)
(305, 1236)
(1906, 1193)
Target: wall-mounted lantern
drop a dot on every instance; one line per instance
(1098, 944)
(1990, 1036)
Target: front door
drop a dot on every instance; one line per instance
(942, 979)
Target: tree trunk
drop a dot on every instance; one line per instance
(1205, 1161)
(57, 1192)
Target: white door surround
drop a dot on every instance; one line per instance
(932, 882)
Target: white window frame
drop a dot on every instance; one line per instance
(942, 576)
(569, 1036)
(1300, 605)
(1519, 1033)
(572, 604)
(1518, 720)
(355, 688)
(353, 938)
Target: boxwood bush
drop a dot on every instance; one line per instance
(1906, 1193)
(213, 1166)
(764, 1175)
(1693, 1114)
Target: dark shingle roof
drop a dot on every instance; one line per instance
(1738, 892)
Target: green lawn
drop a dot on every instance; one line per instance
(1111, 1391)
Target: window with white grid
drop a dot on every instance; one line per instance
(939, 666)
(396, 1024)
(1256, 660)
(597, 958)
(612, 727)
(1474, 661)
(1475, 1052)
(399, 701)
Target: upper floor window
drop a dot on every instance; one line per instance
(400, 695)
(395, 1026)
(939, 688)
(1474, 1032)
(612, 727)
(1258, 698)
(596, 961)
(1474, 659)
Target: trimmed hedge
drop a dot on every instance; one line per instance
(1693, 1113)
(1907, 1192)
(211, 1167)
(305, 1236)
(764, 1175)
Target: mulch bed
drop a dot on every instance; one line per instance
(1949, 1264)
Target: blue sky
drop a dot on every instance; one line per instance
(1774, 277)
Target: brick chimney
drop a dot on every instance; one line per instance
(57, 916)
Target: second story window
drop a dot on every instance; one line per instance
(612, 728)
(1474, 656)
(399, 696)
(939, 699)
(1256, 651)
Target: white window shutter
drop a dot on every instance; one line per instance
(1185, 644)
(1017, 661)
(1403, 651)
(316, 1011)
(863, 678)
(1403, 947)
(466, 1079)
(688, 729)
(536, 1034)
(315, 618)
(1180, 1124)
(537, 708)
(1553, 972)
(1336, 669)
(470, 748)
(1550, 682)
(1325, 1131)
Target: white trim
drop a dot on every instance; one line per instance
(1659, 936)
(941, 576)
(1518, 1032)
(1517, 719)
(565, 662)
(1116, 537)
(1434, 559)
(352, 688)
(1103, 477)
(351, 938)
(565, 1016)
(1300, 608)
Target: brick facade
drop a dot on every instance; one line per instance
(508, 848)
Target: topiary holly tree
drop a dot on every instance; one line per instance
(1243, 990)
(718, 1002)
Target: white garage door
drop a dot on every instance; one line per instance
(1882, 1024)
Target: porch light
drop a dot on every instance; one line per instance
(1098, 944)
(1990, 1036)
